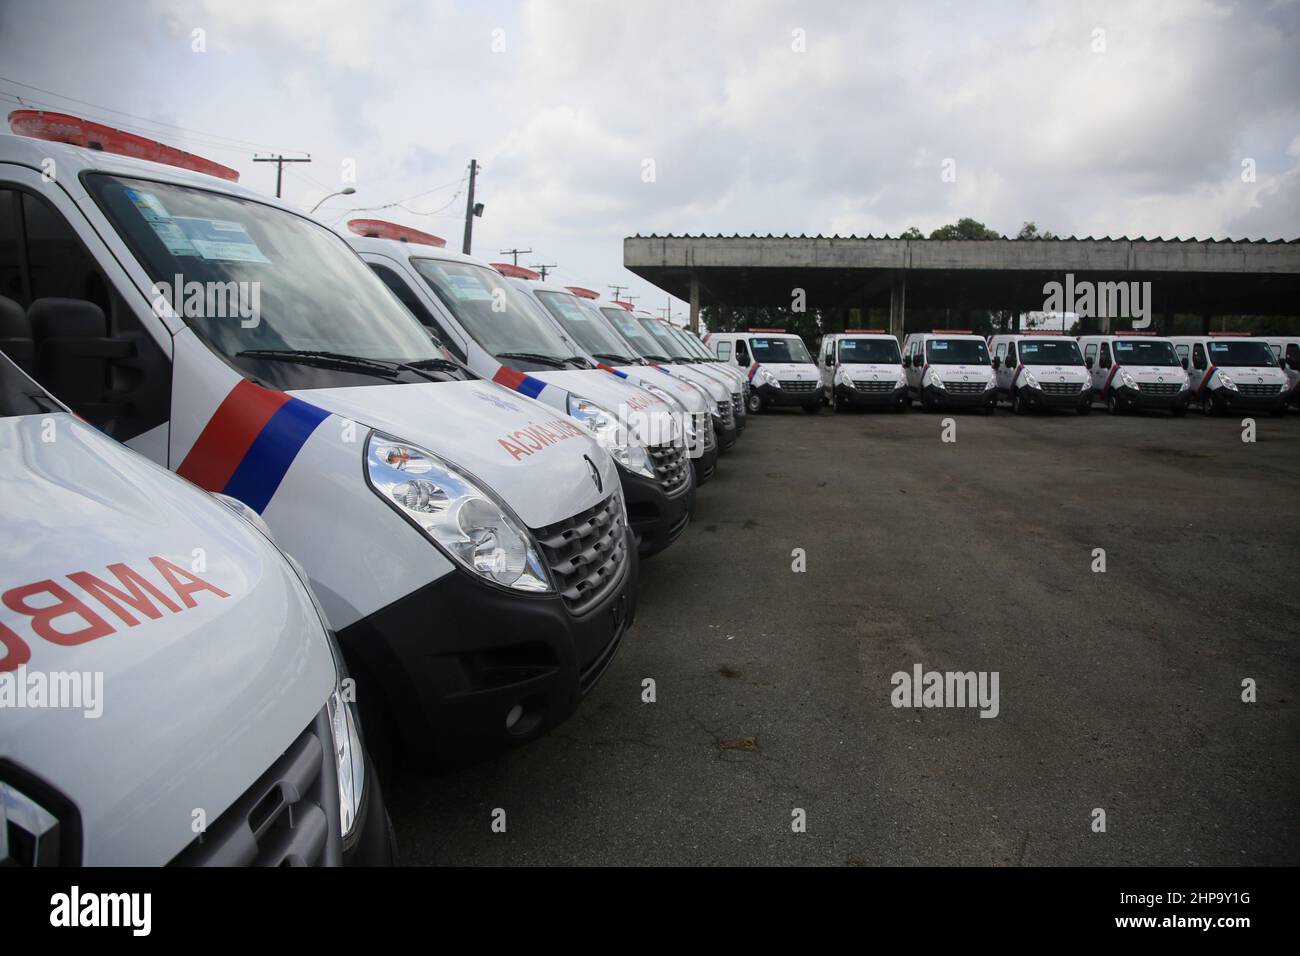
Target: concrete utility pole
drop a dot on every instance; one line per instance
(514, 254)
(543, 268)
(279, 167)
(618, 291)
(695, 304)
(471, 210)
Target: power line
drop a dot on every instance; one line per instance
(514, 254)
(543, 269)
(279, 167)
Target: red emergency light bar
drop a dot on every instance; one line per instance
(62, 128)
(766, 330)
(1131, 332)
(864, 331)
(1230, 334)
(582, 293)
(1043, 332)
(515, 272)
(951, 332)
(626, 305)
(379, 229)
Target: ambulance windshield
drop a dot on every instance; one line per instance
(786, 348)
(869, 352)
(1238, 354)
(1050, 352)
(1145, 352)
(248, 277)
(956, 352)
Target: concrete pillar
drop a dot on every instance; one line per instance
(1206, 320)
(898, 307)
(695, 304)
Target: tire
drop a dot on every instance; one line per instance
(1209, 407)
(755, 404)
(834, 403)
(1112, 403)
(1018, 405)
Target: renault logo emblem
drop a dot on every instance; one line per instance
(595, 475)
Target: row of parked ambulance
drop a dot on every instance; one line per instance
(266, 485)
(1125, 371)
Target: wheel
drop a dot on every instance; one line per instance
(1208, 405)
(1112, 403)
(755, 404)
(836, 408)
(813, 409)
(1018, 404)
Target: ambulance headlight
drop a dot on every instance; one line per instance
(462, 518)
(1030, 380)
(767, 378)
(993, 383)
(1127, 379)
(612, 436)
(935, 380)
(1227, 382)
(349, 761)
(1183, 385)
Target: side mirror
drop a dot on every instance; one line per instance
(997, 362)
(1183, 362)
(1088, 362)
(1199, 364)
(907, 361)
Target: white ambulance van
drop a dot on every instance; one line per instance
(591, 335)
(776, 363)
(485, 322)
(1286, 349)
(950, 369)
(169, 691)
(1041, 370)
(862, 368)
(650, 342)
(729, 374)
(1231, 371)
(469, 545)
(1132, 371)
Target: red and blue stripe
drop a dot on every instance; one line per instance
(611, 370)
(246, 448)
(524, 384)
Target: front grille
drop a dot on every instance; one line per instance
(1062, 388)
(1159, 388)
(586, 553)
(672, 466)
(964, 388)
(737, 405)
(289, 817)
(876, 386)
(724, 412)
(793, 386)
(1255, 390)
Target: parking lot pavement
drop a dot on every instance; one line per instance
(1119, 690)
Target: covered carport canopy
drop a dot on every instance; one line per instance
(1214, 277)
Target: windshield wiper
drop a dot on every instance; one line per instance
(659, 358)
(577, 361)
(438, 363)
(537, 357)
(335, 360)
(611, 357)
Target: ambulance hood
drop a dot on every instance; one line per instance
(690, 373)
(482, 428)
(1056, 373)
(649, 416)
(791, 371)
(677, 388)
(227, 662)
(873, 371)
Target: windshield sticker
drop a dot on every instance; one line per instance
(630, 329)
(467, 288)
(1123, 346)
(938, 345)
(172, 237)
(150, 206)
(571, 310)
(1028, 349)
(221, 240)
(1218, 346)
(758, 343)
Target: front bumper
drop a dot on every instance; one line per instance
(777, 397)
(1037, 398)
(1227, 398)
(1135, 398)
(942, 398)
(454, 658)
(705, 465)
(852, 396)
(657, 518)
(725, 433)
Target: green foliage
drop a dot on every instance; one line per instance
(965, 228)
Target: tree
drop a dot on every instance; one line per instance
(965, 228)
(911, 232)
(1030, 231)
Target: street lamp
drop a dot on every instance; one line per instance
(345, 191)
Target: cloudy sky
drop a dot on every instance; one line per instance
(595, 121)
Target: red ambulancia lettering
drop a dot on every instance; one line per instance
(60, 603)
(535, 437)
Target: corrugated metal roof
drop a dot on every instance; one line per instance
(1257, 242)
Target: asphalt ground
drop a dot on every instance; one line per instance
(1119, 690)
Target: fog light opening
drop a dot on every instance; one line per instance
(513, 717)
